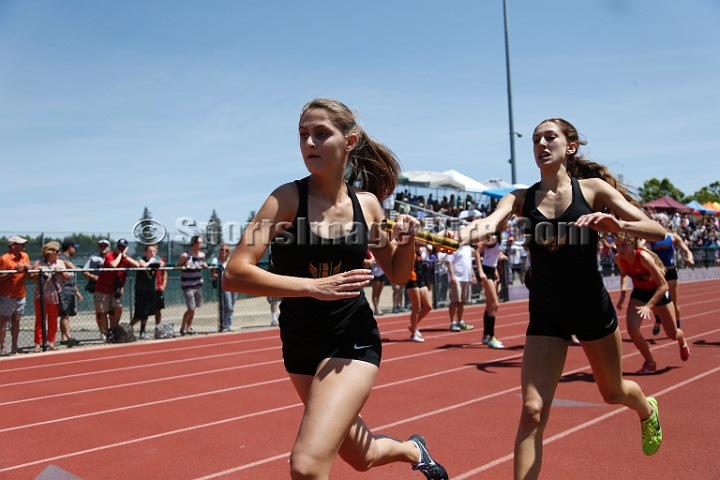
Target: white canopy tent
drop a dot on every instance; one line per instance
(428, 179)
(469, 185)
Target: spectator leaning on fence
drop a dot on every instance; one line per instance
(12, 291)
(111, 287)
(52, 289)
(94, 262)
(149, 287)
(191, 281)
(69, 296)
(227, 299)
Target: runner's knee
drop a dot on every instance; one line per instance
(532, 413)
(612, 396)
(303, 465)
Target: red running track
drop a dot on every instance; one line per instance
(221, 406)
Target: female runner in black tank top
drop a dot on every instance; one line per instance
(567, 295)
(331, 345)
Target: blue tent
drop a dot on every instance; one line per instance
(499, 192)
(695, 205)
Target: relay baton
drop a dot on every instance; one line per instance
(428, 237)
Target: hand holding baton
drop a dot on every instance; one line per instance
(428, 237)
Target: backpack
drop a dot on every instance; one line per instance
(165, 330)
(123, 333)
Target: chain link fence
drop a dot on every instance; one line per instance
(248, 311)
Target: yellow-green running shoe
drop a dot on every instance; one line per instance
(651, 431)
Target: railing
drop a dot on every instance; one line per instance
(248, 312)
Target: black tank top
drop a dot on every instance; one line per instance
(298, 252)
(563, 258)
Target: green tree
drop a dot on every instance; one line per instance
(251, 215)
(214, 234)
(146, 215)
(709, 193)
(655, 188)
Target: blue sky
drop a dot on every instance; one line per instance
(185, 107)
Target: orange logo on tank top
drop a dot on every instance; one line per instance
(324, 269)
(552, 243)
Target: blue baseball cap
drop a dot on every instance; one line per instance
(122, 243)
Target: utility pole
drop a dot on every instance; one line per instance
(509, 90)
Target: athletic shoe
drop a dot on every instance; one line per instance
(678, 323)
(103, 337)
(485, 340)
(454, 327)
(143, 336)
(684, 353)
(416, 337)
(573, 342)
(71, 342)
(651, 431)
(656, 329)
(464, 326)
(274, 323)
(431, 469)
(182, 333)
(495, 343)
(647, 368)
(63, 342)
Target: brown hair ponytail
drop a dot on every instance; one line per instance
(372, 166)
(580, 167)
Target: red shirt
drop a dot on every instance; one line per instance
(640, 275)
(107, 280)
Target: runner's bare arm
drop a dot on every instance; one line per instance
(480, 229)
(632, 220)
(396, 253)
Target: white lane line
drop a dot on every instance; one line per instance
(404, 357)
(137, 354)
(146, 404)
(151, 437)
(276, 457)
(136, 367)
(142, 382)
(582, 426)
(276, 337)
(454, 407)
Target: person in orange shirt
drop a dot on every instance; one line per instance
(12, 291)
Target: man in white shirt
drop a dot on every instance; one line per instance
(461, 277)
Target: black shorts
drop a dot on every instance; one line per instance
(415, 284)
(381, 278)
(671, 274)
(489, 272)
(68, 304)
(517, 267)
(645, 295)
(366, 347)
(590, 318)
(147, 303)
